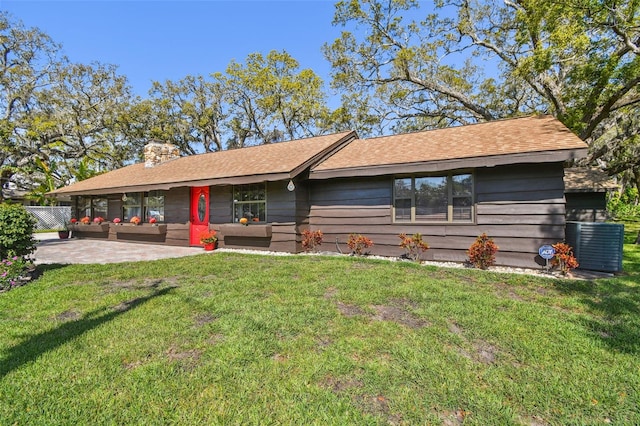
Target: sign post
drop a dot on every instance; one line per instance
(546, 252)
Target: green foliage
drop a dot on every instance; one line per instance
(358, 244)
(16, 231)
(270, 99)
(624, 206)
(13, 272)
(482, 253)
(413, 245)
(422, 65)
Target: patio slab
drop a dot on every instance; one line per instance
(50, 249)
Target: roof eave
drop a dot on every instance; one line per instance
(452, 164)
(234, 180)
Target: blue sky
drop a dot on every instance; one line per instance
(167, 40)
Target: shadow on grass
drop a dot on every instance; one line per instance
(41, 268)
(37, 345)
(614, 305)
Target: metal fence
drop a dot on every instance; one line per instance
(53, 217)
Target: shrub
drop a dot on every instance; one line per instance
(13, 272)
(564, 259)
(482, 252)
(358, 244)
(414, 245)
(311, 240)
(624, 206)
(16, 231)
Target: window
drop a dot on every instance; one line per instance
(83, 204)
(99, 206)
(250, 201)
(150, 203)
(91, 206)
(131, 206)
(154, 205)
(447, 198)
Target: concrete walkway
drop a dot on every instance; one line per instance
(51, 249)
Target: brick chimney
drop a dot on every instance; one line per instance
(156, 152)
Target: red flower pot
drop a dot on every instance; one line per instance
(209, 246)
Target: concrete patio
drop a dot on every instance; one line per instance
(50, 249)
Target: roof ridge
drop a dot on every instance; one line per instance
(344, 133)
(465, 126)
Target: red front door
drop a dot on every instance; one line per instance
(199, 214)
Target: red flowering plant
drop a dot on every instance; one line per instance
(85, 220)
(208, 237)
(98, 220)
(117, 220)
(153, 220)
(135, 220)
(358, 244)
(73, 220)
(564, 259)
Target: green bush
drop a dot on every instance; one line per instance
(624, 206)
(14, 272)
(16, 231)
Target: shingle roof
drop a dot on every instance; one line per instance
(529, 139)
(584, 179)
(496, 138)
(259, 163)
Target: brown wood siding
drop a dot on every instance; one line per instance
(587, 206)
(176, 205)
(221, 204)
(520, 206)
(284, 237)
(281, 203)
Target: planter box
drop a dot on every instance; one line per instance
(92, 227)
(237, 230)
(140, 229)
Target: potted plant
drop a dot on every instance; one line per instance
(117, 221)
(85, 220)
(135, 220)
(153, 221)
(208, 239)
(64, 233)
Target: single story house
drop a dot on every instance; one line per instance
(586, 192)
(504, 178)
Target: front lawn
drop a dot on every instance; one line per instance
(243, 339)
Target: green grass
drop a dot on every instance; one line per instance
(242, 339)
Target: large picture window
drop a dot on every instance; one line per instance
(445, 198)
(145, 205)
(91, 206)
(131, 206)
(250, 202)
